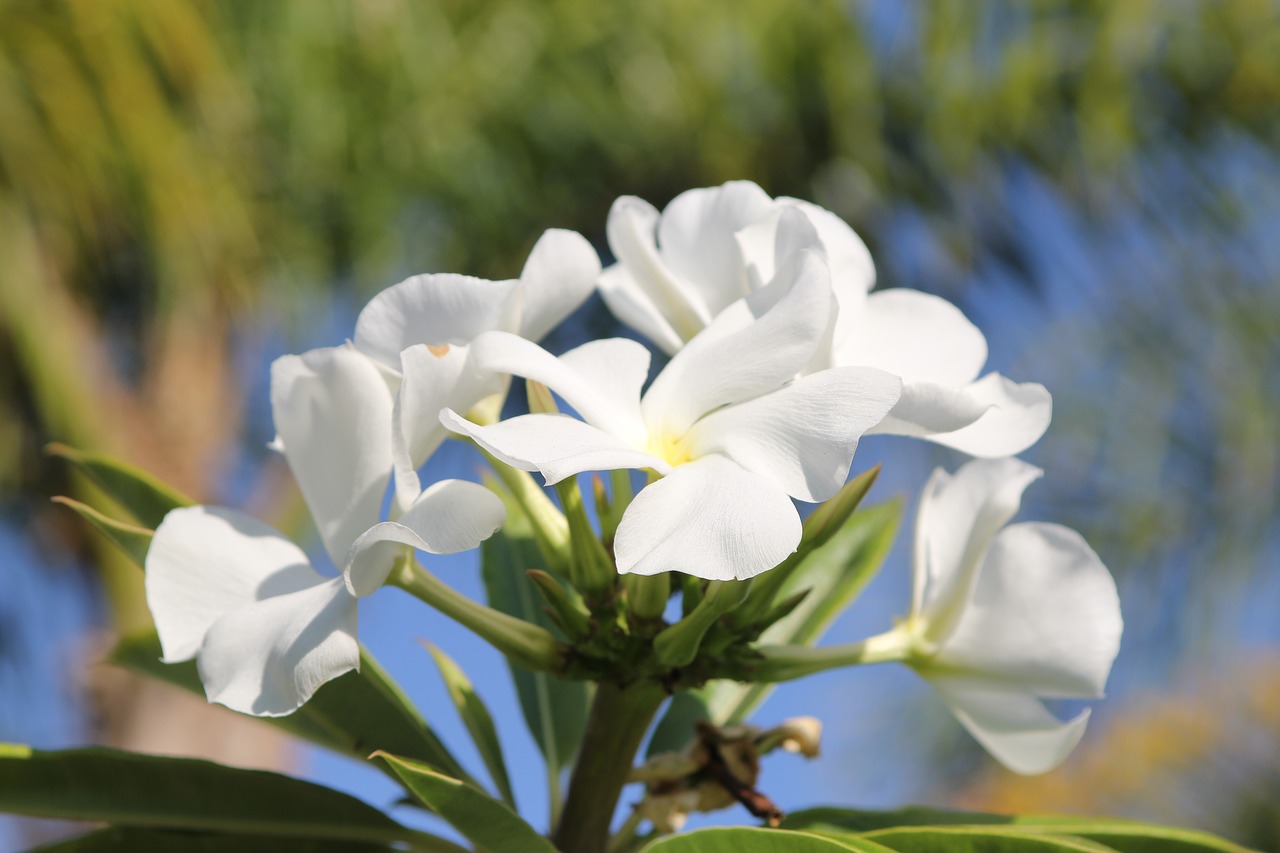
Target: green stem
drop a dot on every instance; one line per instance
(529, 645)
(619, 718)
(550, 527)
(782, 663)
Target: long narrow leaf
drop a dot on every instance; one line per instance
(132, 839)
(129, 538)
(475, 716)
(138, 493)
(182, 793)
(488, 823)
(749, 840)
(354, 714)
(555, 710)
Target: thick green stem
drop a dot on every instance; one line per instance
(532, 646)
(619, 718)
(782, 663)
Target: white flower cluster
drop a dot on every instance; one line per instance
(781, 358)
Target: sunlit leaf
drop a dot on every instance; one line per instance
(747, 840)
(129, 538)
(488, 823)
(475, 716)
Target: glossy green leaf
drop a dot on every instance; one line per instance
(475, 716)
(129, 538)
(126, 788)
(132, 839)
(1115, 834)
(979, 839)
(555, 710)
(749, 840)
(488, 823)
(138, 493)
(835, 572)
(354, 714)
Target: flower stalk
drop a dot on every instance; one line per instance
(783, 663)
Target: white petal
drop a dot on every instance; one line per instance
(958, 517)
(557, 278)
(451, 516)
(631, 232)
(268, 658)
(927, 409)
(634, 308)
(435, 378)
(696, 236)
(557, 445)
(205, 562)
(920, 337)
(1044, 615)
(1016, 417)
(777, 235)
(1014, 726)
(801, 438)
(332, 410)
(442, 308)
(852, 269)
(710, 518)
(753, 348)
(601, 380)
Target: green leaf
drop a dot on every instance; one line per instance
(749, 840)
(1116, 834)
(131, 839)
(354, 714)
(129, 538)
(978, 839)
(835, 572)
(554, 709)
(486, 822)
(475, 716)
(182, 793)
(138, 493)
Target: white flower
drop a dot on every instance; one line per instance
(1002, 618)
(418, 331)
(678, 270)
(266, 628)
(732, 432)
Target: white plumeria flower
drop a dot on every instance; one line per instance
(265, 627)
(418, 331)
(732, 432)
(1003, 618)
(677, 270)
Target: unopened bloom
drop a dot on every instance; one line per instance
(1003, 617)
(265, 627)
(418, 332)
(677, 270)
(732, 432)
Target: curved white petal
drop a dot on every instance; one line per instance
(634, 308)
(601, 380)
(1014, 726)
(696, 236)
(332, 410)
(801, 438)
(755, 347)
(557, 278)
(926, 410)
(268, 658)
(1017, 415)
(631, 230)
(557, 445)
(852, 270)
(435, 378)
(919, 336)
(958, 517)
(205, 562)
(451, 516)
(777, 235)
(1044, 615)
(442, 308)
(710, 518)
